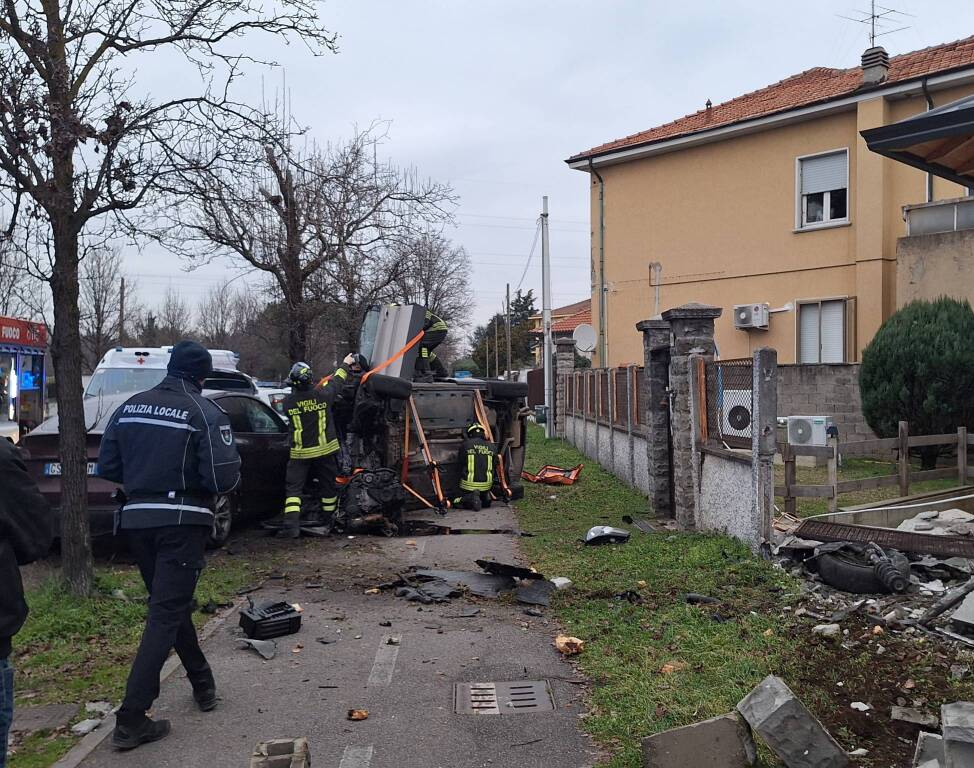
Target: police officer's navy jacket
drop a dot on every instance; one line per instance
(173, 451)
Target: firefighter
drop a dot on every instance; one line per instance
(314, 438)
(478, 464)
(173, 452)
(434, 333)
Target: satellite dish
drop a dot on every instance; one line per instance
(584, 336)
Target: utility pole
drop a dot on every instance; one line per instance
(497, 367)
(549, 393)
(509, 332)
(486, 356)
(121, 314)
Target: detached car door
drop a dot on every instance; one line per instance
(262, 440)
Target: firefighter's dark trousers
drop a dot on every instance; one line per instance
(170, 560)
(428, 362)
(475, 500)
(324, 469)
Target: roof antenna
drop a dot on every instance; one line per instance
(878, 18)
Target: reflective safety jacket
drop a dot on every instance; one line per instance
(477, 462)
(173, 451)
(310, 417)
(434, 323)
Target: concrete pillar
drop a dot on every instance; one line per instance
(764, 431)
(564, 366)
(692, 328)
(656, 419)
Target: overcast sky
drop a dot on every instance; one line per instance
(493, 95)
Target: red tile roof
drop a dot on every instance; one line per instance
(812, 86)
(568, 309)
(569, 324)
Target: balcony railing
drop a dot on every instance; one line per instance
(939, 216)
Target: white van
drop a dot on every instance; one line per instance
(126, 370)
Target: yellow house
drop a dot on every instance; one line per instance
(770, 203)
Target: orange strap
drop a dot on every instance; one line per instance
(412, 343)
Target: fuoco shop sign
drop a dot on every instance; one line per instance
(22, 333)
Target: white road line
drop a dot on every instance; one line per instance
(418, 551)
(385, 660)
(356, 757)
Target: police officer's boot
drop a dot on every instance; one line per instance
(291, 529)
(129, 734)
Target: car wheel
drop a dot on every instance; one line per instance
(226, 510)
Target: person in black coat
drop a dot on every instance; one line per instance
(174, 453)
(26, 530)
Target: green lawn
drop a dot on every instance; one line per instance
(73, 650)
(854, 469)
(726, 649)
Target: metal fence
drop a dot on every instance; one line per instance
(613, 396)
(728, 396)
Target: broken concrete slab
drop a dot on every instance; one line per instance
(281, 753)
(721, 742)
(786, 725)
(957, 725)
(930, 747)
(536, 592)
(963, 618)
(913, 715)
(47, 718)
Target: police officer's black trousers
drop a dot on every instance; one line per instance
(170, 560)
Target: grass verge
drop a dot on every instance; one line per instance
(76, 651)
(662, 663)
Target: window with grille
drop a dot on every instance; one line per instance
(823, 183)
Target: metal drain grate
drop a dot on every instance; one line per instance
(512, 698)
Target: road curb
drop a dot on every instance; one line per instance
(93, 740)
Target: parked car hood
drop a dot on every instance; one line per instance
(98, 411)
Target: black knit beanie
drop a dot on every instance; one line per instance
(190, 360)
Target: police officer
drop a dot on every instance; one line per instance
(434, 333)
(314, 438)
(478, 462)
(174, 453)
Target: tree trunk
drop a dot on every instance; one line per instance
(76, 561)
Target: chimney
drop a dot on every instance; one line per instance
(875, 65)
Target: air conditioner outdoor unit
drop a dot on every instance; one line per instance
(751, 316)
(735, 413)
(808, 430)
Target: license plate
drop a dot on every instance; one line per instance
(53, 468)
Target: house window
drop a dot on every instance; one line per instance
(823, 182)
(822, 331)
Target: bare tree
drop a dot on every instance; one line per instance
(216, 315)
(436, 273)
(322, 224)
(102, 321)
(79, 148)
(174, 318)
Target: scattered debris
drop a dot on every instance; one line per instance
(324, 640)
(465, 613)
(211, 607)
(859, 752)
(913, 715)
(271, 619)
(827, 630)
(511, 571)
(480, 584)
(561, 582)
(721, 742)
(569, 646)
(281, 753)
(385, 623)
(902, 541)
(100, 709)
(788, 728)
(694, 598)
(643, 525)
(672, 666)
(85, 726)
(535, 592)
(373, 591)
(536, 612)
(606, 534)
(550, 475)
(357, 714)
(930, 748)
(266, 648)
(860, 706)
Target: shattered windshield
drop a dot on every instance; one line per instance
(121, 381)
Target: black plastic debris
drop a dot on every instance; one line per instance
(429, 592)
(630, 596)
(695, 598)
(269, 620)
(464, 613)
(606, 534)
(504, 569)
(535, 592)
(480, 584)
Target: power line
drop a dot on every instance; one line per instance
(534, 244)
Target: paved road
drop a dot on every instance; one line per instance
(407, 688)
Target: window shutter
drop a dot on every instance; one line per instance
(808, 339)
(823, 173)
(833, 331)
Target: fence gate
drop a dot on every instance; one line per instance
(729, 399)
